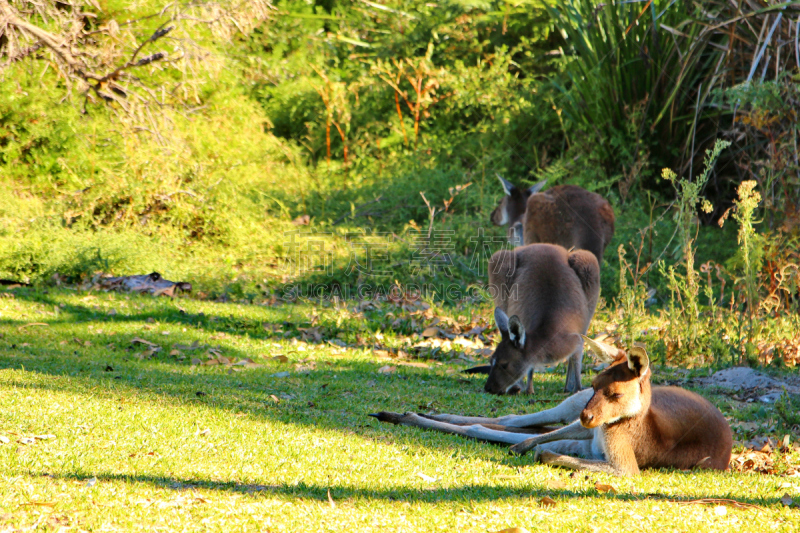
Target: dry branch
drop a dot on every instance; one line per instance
(96, 53)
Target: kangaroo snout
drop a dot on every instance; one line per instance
(492, 389)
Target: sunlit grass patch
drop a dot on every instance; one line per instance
(102, 435)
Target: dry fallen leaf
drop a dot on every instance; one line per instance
(430, 332)
(547, 502)
(194, 346)
(426, 478)
(39, 504)
(555, 484)
(787, 500)
(416, 364)
(247, 363)
(281, 358)
(604, 488)
(388, 369)
(137, 340)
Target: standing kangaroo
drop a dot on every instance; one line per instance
(619, 426)
(550, 296)
(511, 209)
(565, 214)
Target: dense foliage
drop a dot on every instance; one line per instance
(384, 125)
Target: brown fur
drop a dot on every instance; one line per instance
(673, 428)
(553, 294)
(571, 217)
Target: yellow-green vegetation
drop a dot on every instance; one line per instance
(106, 433)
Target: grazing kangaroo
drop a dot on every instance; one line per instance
(550, 296)
(565, 214)
(618, 426)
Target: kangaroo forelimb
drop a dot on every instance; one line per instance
(574, 431)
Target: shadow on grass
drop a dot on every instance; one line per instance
(336, 395)
(467, 493)
(167, 312)
(226, 319)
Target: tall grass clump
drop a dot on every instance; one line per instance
(627, 80)
(641, 80)
(749, 243)
(684, 310)
(748, 262)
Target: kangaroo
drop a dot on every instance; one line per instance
(619, 426)
(512, 208)
(544, 300)
(565, 214)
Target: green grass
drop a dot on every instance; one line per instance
(161, 444)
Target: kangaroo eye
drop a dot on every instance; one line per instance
(613, 395)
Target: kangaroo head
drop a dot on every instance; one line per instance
(512, 205)
(620, 391)
(508, 364)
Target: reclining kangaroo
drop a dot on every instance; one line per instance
(565, 214)
(550, 296)
(618, 426)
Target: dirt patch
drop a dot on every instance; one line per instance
(751, 383)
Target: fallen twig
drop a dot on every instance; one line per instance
(719, 501)
(32, 324)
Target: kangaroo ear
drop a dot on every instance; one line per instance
(501, 319)
(533, 189)
(507, 185)
(516, 332)
(638, 361)
(605, 352)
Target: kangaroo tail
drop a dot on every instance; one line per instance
(483, 369)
